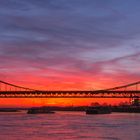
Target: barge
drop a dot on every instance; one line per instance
(98, 110)
(39, 110)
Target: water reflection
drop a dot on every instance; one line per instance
(69, 125)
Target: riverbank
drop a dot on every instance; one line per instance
(9, 110)
(127, 109)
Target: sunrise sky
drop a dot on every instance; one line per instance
(69, 44)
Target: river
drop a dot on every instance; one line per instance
(69, 126)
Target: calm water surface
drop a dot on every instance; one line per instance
(69, 126)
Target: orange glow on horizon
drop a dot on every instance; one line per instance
(57, 102)
(85, 83)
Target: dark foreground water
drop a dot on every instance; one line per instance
(69, 126)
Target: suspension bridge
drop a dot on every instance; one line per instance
(8, 90)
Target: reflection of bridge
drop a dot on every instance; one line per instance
(8, 90)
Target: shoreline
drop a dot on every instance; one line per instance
(123, 109)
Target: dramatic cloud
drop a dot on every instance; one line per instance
(69, 44)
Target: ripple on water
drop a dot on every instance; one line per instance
(70, 126)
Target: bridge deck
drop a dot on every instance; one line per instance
(70, 94)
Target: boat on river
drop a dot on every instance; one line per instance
(98, 110)
(40, 110)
